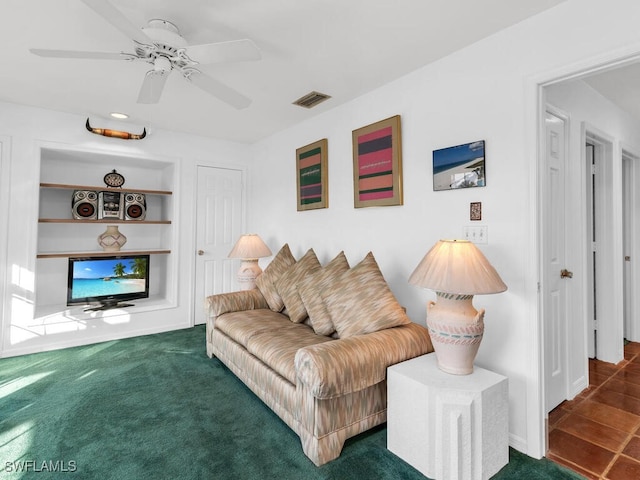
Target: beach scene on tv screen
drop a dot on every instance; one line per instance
(461, 166)
(96, 278)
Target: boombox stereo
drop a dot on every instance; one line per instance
(135, 206)
(110, 205)
(84, 205)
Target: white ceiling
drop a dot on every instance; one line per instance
(621, 86)
(343, 48)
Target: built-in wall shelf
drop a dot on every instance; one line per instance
(104, 189)
(105, 220)
(102, 253)
(70, 220)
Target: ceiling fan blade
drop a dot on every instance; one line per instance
(152, 86)
(77, 54)
(232, 51)
(218, 89)
(118, 20)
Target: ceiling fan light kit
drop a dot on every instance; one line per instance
(161, 44)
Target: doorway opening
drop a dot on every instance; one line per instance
(592, 205)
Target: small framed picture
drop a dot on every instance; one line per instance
(475, 211)
(462, 166)
(312, 176)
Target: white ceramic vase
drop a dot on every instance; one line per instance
(456, 329)
(112, 240)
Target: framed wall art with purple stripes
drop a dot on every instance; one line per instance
(377, 164)
(312, 176)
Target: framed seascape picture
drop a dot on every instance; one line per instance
(461, 166)
(377, 164)
(311, 176)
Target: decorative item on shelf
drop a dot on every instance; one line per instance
(456, 270)
(106, 132)
(112, 240)
(249, 248)
(114, 179)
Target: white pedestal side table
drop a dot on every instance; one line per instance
(448, 426)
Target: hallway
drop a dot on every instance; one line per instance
(597, 434)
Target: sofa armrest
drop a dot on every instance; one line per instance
(348, 365)
(221, 303)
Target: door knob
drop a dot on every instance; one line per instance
(564, 273)
(200, 252)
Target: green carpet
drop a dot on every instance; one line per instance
(155, 407)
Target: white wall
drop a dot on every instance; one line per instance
(25, 129)
(486, 91)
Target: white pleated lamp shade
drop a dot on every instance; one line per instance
(457, 267)
(250, 245)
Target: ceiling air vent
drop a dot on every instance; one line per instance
(312, 99)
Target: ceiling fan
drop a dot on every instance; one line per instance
(160, 44)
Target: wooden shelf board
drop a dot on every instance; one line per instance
(102, 254)
(105, 220)
(105, 189)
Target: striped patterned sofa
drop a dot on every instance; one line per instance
(326, 386)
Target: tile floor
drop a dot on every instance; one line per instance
(597, 434)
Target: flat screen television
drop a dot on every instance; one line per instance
(107, 282)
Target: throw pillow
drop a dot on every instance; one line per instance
(360, 301)
(287, 285)
(267, 280)
(310, 288)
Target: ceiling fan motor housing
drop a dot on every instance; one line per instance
(164, 32)
(169, 47)
(161, 64)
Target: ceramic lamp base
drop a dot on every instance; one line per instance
(249, 271)
(456, 330)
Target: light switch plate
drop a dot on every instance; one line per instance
(476, 234)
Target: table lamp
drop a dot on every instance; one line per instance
(456, 270)
(249, 248)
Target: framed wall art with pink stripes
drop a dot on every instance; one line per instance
(377, 164)
(312, 176)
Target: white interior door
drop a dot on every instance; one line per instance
(592, 254)
(219, 218)
(626, 238)
(631, 248)
(606, 291)
(553, 257)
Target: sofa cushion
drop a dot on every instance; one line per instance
(241, 326)
(287, 285)
(360, 301)
(277, 347)
(266, 282)
(310, 288)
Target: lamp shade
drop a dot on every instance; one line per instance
(457, 267)
(250, 245)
